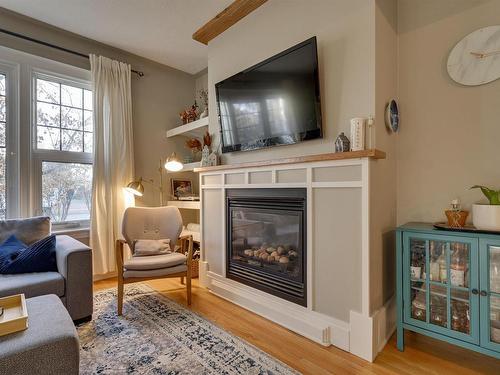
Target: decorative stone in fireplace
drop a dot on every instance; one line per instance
(266, 240)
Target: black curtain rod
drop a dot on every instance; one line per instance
(21, 36)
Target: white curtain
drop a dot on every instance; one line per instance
(113, 156)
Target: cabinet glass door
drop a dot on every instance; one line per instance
(441, 284)
(490, 293)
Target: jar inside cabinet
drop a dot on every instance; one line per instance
(437, 261)
(495, 319)
(438, 311)
(418, 301)
(417, 260)
(460, 311)
(494, 260)
(459, 264)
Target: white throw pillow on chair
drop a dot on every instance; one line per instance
(151, 247)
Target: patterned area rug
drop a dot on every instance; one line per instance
(158, 336)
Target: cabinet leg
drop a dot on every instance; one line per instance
(401, 339)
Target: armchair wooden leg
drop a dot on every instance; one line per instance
(120, 296)
(188, 288)
(182, 280)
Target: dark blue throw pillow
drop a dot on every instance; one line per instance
(38, 257)
(10, 249)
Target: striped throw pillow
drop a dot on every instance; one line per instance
(38, 257)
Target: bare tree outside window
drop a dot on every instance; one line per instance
(64, 123)
(66, 191)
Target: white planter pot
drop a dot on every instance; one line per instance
(486, 216)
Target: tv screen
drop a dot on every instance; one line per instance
(276, 102)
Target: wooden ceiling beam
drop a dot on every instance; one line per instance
(225, 19)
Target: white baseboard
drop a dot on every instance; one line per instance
(385, 323)
(369, 334)
(202, 274)
(317, 327)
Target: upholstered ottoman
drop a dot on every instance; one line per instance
(49, 345)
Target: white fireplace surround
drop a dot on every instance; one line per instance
(338, 252)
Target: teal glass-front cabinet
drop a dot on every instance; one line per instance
(448, 286)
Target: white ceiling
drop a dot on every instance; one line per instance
(159, 30)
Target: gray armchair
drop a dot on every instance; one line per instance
(73, 281)
(143, 223)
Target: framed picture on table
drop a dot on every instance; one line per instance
(181, 188)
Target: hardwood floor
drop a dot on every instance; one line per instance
(422, 355)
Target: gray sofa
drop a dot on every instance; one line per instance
(73, 281)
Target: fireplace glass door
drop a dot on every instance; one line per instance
(266, 241)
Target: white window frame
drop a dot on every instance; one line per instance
(38, 156)
(24, 162)
(11, 72)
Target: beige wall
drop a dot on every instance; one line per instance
(450, 134)
(157, 98)
(343, 30)
(357, 50)
(200, 83)
(383, 172)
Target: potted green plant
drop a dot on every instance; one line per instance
(486, 216)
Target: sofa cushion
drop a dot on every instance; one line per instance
(155, 273)
(26, 230)
(32, 284)
(9, 250)
(38, 257)
(154, 262)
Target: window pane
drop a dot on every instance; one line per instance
(47, 91)
(2, 109)
(66, 191)
(47, 114)
(2, 84)
(72, 140)
(2, 134)
(3, 188)
(87, 99)
(88, 139)
(71, 96)
(88, 122)
(71, 118)
(48, 138)
(3, 151)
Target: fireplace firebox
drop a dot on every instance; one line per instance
(266, 240)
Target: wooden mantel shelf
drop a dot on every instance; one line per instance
(372, 154)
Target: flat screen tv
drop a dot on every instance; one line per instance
(276, 102)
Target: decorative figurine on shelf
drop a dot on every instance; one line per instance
(203, 95)
(208, 159)
(342, 143)
(456, 216)
(213, 159)
(190, 114)
(205, 153)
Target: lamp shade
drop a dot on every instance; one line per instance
(173, 163)
(135, 187)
